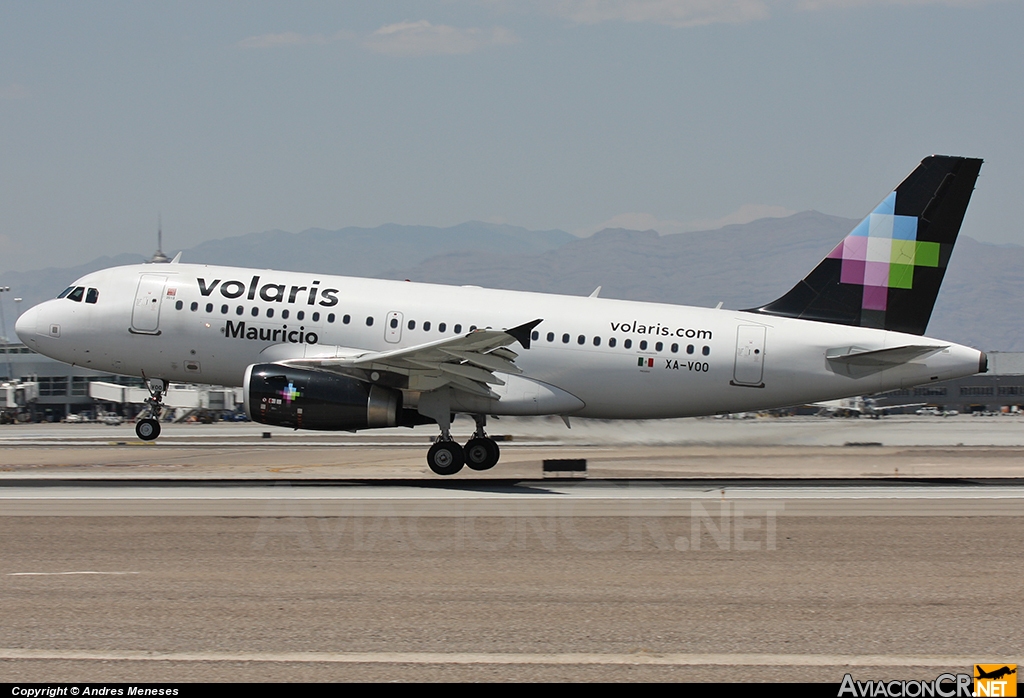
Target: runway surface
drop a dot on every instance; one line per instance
(217, 556)
(477, 598)
(522, 498)
(962, 446)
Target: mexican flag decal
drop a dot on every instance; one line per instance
(642, 362)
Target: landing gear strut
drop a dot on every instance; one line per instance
(149, 428)
(482, 452)
(446, 457)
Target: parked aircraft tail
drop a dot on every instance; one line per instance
(887, 272)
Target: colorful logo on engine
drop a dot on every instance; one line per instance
(881, 253)
(290, 393)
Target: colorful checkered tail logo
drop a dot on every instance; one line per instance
(887, 272)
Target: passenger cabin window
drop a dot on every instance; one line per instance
(92, 295)
(551, 336)
(412, 324)
(426, 326)
(628, 343)
(346, 319)
(284, 314)
(535, 335)
(179, 305)
(194, 307)
(442, 327)
(270, 312)
(209, 307)
(458, 329)
(643, 344)
(316, 317)
(369, 321)
(611, 341)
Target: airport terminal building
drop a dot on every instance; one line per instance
(63, 389)
(1001, 388)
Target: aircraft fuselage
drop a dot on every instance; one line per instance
(620, 359)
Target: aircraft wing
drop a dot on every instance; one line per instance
(466, 362)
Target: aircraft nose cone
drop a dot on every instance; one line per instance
(25, 327)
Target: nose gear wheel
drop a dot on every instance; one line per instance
(147, 429)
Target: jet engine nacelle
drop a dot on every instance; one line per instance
(303, 399)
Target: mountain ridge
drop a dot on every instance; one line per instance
(741, 265)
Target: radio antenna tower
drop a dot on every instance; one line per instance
(159, 257)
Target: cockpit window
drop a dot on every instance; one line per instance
(66, 291)
(92, 295)
(76, 294)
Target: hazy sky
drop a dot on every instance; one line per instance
(235, 117)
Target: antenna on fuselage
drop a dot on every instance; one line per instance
(159, 257)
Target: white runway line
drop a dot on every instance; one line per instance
(668, 659)
(244, 445)
(535, 499)
(59, 574)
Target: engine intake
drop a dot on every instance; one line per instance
(302, 399)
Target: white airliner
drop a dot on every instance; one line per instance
(335, 353)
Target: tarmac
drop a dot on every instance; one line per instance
(794, 447)
(709, 550)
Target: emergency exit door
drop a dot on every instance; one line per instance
(749, 367)
(393, 327)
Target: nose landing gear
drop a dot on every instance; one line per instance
(148, 428)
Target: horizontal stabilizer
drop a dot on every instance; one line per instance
(881, 357)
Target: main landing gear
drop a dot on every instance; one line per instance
(149, 428)
(446, 456)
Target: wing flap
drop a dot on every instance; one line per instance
(487, 361)
(472, 373)
(505, 353)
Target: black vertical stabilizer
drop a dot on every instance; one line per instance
(887, 272)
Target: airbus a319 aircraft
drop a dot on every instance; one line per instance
(314, 351)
